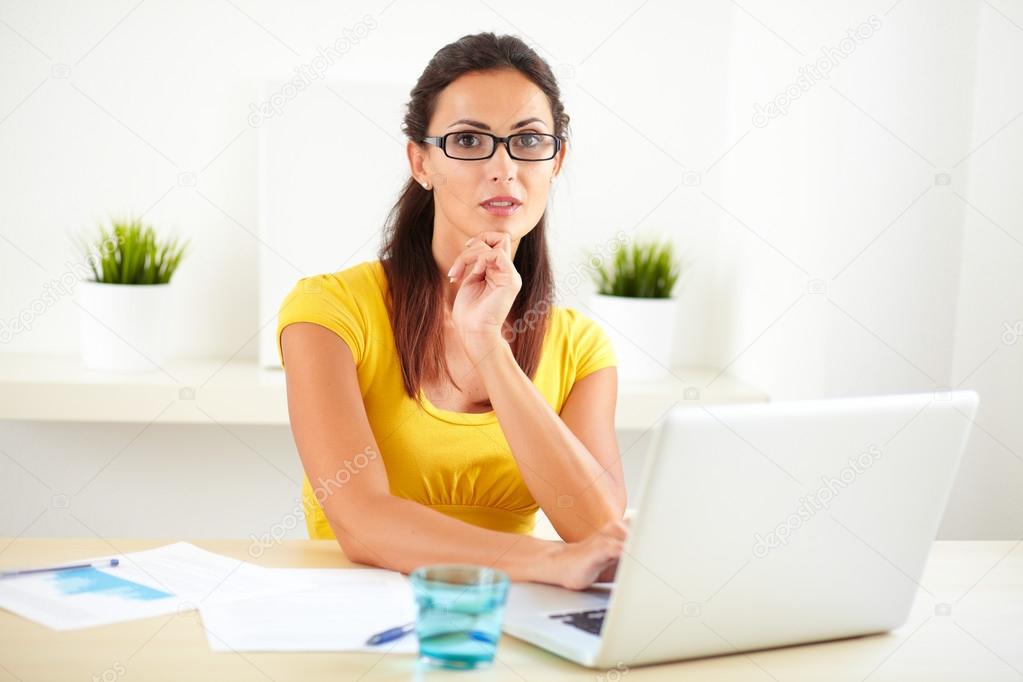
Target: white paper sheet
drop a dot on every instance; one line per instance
(169, 579)
(337, 610)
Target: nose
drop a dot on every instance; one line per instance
(501, 166)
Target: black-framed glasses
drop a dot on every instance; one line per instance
(472, 146)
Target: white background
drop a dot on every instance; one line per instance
(893, 187)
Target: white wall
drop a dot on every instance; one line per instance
(873, 188)
(155, 118)
(125, 107)
(989, 316)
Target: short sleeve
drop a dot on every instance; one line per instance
(592, 347)
(327, 301)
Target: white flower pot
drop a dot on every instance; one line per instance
(123, 326)
(642, 331)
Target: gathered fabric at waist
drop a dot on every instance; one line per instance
(493, 518)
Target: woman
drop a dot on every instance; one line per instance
(437, 397)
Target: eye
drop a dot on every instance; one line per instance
(467, 140)
(527, 140)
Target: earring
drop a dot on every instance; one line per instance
(426, 185)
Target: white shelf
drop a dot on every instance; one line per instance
(38, 387)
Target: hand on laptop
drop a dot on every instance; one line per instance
(580, 564)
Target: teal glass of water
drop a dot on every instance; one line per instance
(459, 608)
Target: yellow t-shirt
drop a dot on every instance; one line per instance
(455, 462)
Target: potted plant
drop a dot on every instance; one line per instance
(124, 306)
(634, 305)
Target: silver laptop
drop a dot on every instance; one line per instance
(764, 525)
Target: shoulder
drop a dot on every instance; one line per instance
(572, 324)
(345, 302)
(584, 343)
(356, 282)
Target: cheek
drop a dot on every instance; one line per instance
(462, 184)
(537, 189)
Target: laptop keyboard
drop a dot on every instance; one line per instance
(590, 621)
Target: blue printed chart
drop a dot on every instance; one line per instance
(171, 579)
(83, 597)
(93, 581)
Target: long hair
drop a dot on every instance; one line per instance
(414, 282)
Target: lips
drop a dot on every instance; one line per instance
(501, 202)
(501, 206)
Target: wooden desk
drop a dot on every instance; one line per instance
(977, 636)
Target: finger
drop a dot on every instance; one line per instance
(490, 257)
(480, 261)
(502, 259)
(607, 574)
(608, 548)
(504, 244)
(486, 261)
(466, 259)
(501, 269)
(615, 546)
(493, 239)
(608, 565)
(488, 237)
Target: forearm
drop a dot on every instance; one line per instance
(565, 479)
(401, 535)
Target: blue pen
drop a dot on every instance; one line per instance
(27, 571)
(392, 634)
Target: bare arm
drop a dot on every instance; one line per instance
(330, 425)
(570, 463)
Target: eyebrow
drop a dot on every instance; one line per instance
(484, 126)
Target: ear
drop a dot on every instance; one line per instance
(417, 162)
(559, 160)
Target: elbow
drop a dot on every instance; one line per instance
(610, 509)
(362, 550)
(357, 539)
(354, 550)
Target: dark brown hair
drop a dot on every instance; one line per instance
(414, 282)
